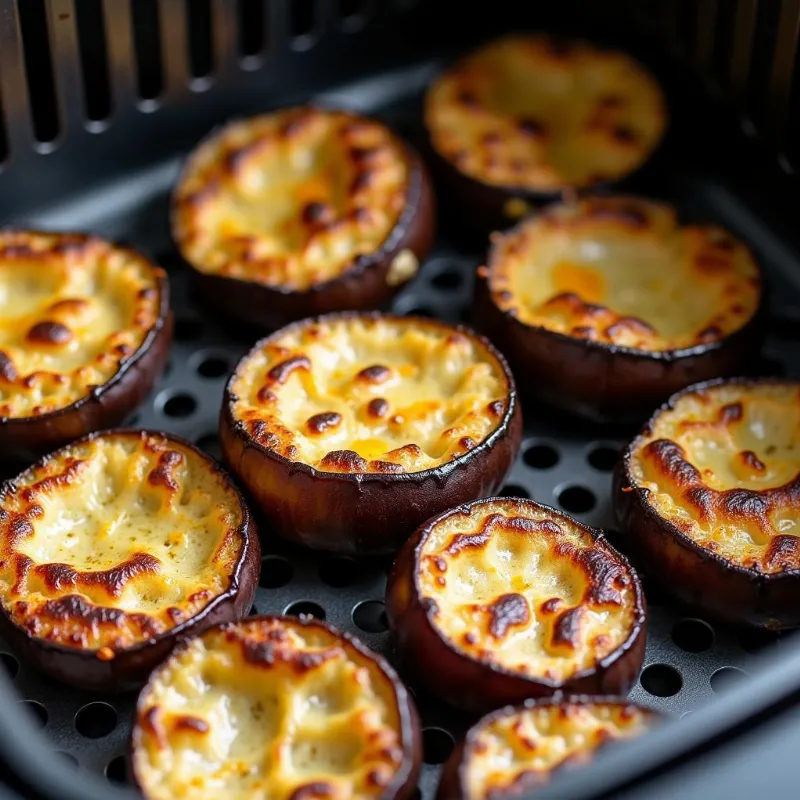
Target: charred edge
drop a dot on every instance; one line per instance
(72, 469)
(783, 553)
(151, 724)
(496, 408)
(375, 374)
(59, 576)
(387, 467)
(507, 611)
(567, 628)
(319, 423)
(551, 606)
(607, 578)
(269, 653)
(671, 457)
(344, 461)
(280, 372)
(462, 541)
(49, 333)
(732, 412)
(377, 408)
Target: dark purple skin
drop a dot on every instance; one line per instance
(371, 513)
(361, 287)
(404, 785)
(475, 686)
(602, 382)
(700, 579)
(25, 439)
(130, 667)
(453, 781)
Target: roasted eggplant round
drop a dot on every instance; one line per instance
(505, 599)
(518, 749)
(303, 211)
(708, 496)
(608, 305)
(113, 548)
(85, 329)
(526, 119)
(275, 707)
(350, 430)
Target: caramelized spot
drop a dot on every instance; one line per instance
(750, 459)
(507, 611)
(567, 628)
(344, 461)
(319, 423)
(376, 374)
(280, 372)
(377, 408)
(191, 724)
(49, 333)
(532, 127)
(318, 214)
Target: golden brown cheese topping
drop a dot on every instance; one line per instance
(290, 199)
(525, 588)
(622, 271)
(370, 393)
(539, 114)
(116, 539)
(511, 753)
(723, 465)
(73, 310)
(268, 708)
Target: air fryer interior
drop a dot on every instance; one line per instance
(98, 116)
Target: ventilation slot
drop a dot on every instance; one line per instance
(94, 59)
(39, 69)
(147, 43)
(251, 32)
(302, 23)
(201, 58)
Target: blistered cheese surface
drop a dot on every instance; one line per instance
(290, 199)
(116, 540)
(370, 394)
(624, 272)
(724, 467)
(510, 754)
(268, 709)
(539, 114)
(73, 310)
(517, 586)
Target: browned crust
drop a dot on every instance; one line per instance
(23, 439)
(697, 576)
(404, 783)
(359, 512)
(477, 684)
(362, 286)
(453, 781)
(601, 381)
(109, 670)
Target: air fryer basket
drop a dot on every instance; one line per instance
(101, 98)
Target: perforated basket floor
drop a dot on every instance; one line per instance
(565, 464)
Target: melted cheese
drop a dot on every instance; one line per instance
(276, 708)
(723, 465)
(622, 271)
(517, 750)
(521, 586)
(73, 310)
(133, 523)
(290, 199)
(370, 393)
(533, 114)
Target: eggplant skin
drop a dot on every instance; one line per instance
(602, 382)
(365, 285)
(405, 782)
(478, 686)
(130, 667)
(24, 439)
(453, 781)
(690, 573)
(366, 513)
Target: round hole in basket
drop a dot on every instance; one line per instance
(514, 490)
(178, 405)
(116, 770)
(96, 720)
(693, 635)
(447, 280)
(305, 608)
(726, 678)
(36, 711)
(213, 366)
(275, 572)
(370, 616)
(661, 680)
(603, 457)
(540, 456)
(576, 499)
(9, 664)
(209, 443)
(437, 744)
